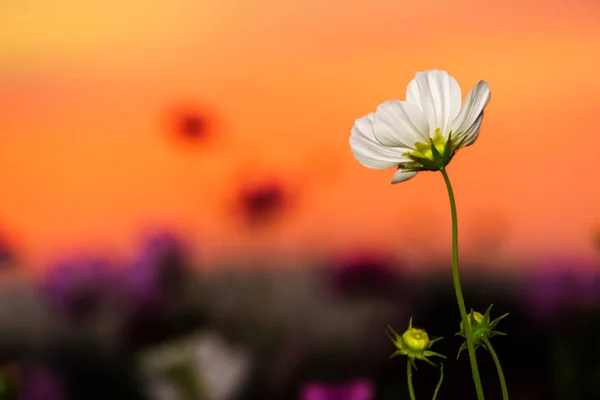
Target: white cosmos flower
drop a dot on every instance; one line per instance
(423, 132)
(218, 368)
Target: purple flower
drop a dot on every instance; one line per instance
(162, 246)
(562, 283)
(157, 270)
(7, 255)
(78, 284)
(360, 389)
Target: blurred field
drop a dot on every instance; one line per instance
(181, 216)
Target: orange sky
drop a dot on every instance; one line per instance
(84, 87)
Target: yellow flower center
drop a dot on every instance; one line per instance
(433, 155)
(425, 150)
(416, 339)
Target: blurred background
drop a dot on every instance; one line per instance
(181, 216)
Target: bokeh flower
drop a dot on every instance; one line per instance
(40, 383)
(263, 201)
(561, 283)
(423, 132)
(365, 274)
(158, 269)
(192, 124)
(7, 252)
(78, 285)
(202, 366)
(359, 389)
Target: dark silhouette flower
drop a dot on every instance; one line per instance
(153, 283)
(262, 202)
(78, 285)
(160, 265)
(7, 252)
(365, 274)
(562, 283)
(191, 124)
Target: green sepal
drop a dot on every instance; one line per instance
(426, 163)
(428, 361)
(448, 152)
(460, 350)
(429, 353)
(397, 353)
(495, 322)
(412, 362)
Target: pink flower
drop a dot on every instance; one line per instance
(360, 389)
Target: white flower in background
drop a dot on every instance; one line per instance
(204, 366)
(224, 368)
(423, 132)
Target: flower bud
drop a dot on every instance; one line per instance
(481, 328)
(477, 324)
(414, 343)
(416, 339)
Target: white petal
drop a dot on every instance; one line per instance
(402, 175)
(438, 96)
(400, 124)
(368, 151)
(472, 133)
(223, 367)
(471, 111)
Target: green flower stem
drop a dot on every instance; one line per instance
(458, 289)
(411, 390)
(439, 385)
(488, 344)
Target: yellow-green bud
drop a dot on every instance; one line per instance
(478, 317)
(478, 327)
(416, 339)
(481, 328)
(414, 343)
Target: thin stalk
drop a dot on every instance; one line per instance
(411, 390)
(488, 344)
(458, 290)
